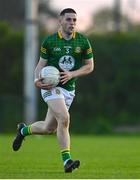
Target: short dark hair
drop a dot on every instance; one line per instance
(67, 10)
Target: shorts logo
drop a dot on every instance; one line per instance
(66, 62)
(57, 91)
(46, 94)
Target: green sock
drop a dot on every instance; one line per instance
(65, 154)
(25, 131)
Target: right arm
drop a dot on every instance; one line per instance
(37, 79)
(42, 63)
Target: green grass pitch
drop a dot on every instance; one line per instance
(105, 157)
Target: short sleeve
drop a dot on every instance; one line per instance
(88, 52)
(44, 51)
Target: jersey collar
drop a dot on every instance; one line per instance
(60, 35)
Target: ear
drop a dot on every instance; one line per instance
(60, 19)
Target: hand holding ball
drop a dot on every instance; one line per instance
(50, 75)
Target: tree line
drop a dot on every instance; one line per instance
(105, 99)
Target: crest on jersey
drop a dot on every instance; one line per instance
(78, 49)
(66, 62)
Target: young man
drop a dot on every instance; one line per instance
(71, 53)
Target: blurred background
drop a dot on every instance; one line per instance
(108, 100)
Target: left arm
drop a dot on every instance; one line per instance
(84, 70)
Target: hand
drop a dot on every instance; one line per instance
(65, 76)
(39, 84)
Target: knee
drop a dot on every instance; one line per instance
(50, 131)
(64, 119)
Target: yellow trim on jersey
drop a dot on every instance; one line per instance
(74, 35)
(89, 51)
(60, 35)
(43, 50)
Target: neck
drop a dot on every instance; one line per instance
(66, 35)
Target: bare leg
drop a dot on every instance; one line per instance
(61, 114)
(41, 127)
(45, 127)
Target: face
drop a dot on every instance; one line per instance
(68, 23)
